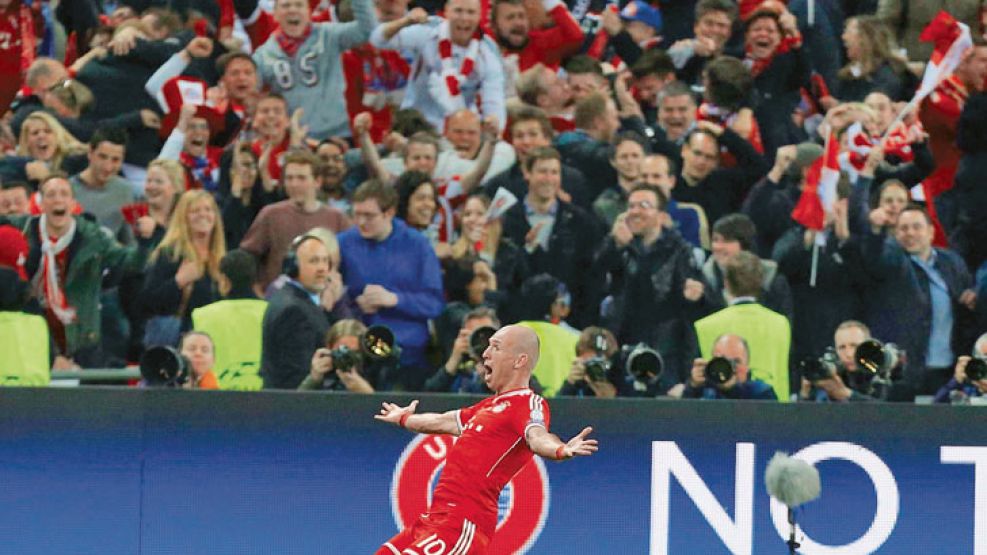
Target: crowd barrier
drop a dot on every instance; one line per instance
(127, 471)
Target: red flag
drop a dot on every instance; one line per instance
(819, 192)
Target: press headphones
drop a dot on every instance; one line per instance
(289, 266)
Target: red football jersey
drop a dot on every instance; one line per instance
(491, 449)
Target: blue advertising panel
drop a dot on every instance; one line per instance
(142, 472)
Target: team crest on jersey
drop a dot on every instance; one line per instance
(522, 507)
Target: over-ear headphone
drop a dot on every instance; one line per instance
(289, 266)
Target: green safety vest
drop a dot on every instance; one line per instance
(236, 328)
(24, 344)
(558, 350)
(768, 336)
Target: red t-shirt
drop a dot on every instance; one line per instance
(491, 449)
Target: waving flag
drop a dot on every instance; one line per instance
(819, 192)
(952, 40)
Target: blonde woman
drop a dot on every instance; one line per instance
(164, 181)
(183, 271)
(42, 148)
(872, 65)
(162, 184)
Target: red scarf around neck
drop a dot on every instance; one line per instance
(291, 45)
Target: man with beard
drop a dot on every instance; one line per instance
(269, 237)
(523, 47)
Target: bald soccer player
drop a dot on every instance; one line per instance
(489, 452)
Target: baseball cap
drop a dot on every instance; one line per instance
(639, 10)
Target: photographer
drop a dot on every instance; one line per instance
(342, 364)
(969, 376)
(458, 374)
(725, 375)
(843, 379)
(593, 372)
(198, 348)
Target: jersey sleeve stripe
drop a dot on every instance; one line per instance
(532, 425)
(393, 549)
(459, 423)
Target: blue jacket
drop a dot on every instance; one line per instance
(749, 390)
(405, 264)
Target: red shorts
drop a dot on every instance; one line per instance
(437, 534)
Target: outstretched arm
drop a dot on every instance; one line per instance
(491, 128)
(427, 423)
(549, 446)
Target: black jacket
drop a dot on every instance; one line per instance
(723, 190)
(294, 327)
(841, 282)
(571, 245)
(646, 287)
(161, 296)
(776, 95)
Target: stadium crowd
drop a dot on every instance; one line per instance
(687, 198)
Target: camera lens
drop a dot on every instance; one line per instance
(719, 370)
(164, 366)
(976, 369)
(479, 340)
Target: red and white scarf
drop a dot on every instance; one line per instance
(290, 45)
(48, 276)
(446, 87)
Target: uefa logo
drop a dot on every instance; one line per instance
(521, 509)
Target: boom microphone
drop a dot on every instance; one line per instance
(791, 481)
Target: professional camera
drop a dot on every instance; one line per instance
(815, 369)
(479, 340)
(376, 344)
(878, 358)
(644, 363)
(599, 365)
(976, 369)
(719, 370)
(477, 343)
(344, 358)
(164, 366)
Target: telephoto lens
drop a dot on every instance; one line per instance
(719, 370)
(164, 366)
(976, 369)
